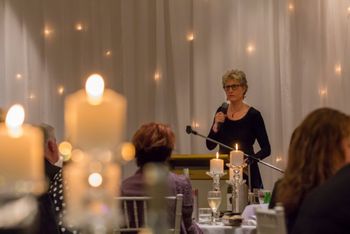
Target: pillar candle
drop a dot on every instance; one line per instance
(21, 155)
(216, 165)
(85, 197)
(236, 157)
(95, 118)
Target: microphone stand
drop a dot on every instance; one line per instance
(189, 130)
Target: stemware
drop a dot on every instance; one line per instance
(214, 200)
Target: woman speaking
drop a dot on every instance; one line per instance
(239, 123)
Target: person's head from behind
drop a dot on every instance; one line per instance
(153, 143)
(50, 145)
(319, 146)
(235, 83)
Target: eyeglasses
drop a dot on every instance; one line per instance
(233, 87)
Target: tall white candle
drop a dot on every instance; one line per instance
(21, 154)
(95, 118)
(236, 157)
(83, 183)
(216, 164)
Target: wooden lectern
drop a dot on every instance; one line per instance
(198, 165)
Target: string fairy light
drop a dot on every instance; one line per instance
(32, 96)
(337, 69)
(157, 76)
(323, 92)
(190, 36)
(250, 48)
(79, 27)
(48, 31)
(19, 76)
(108, 53)
(60, 90)
(291, 7)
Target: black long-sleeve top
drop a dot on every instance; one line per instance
(244, 132)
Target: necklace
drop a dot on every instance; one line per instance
(237, 113)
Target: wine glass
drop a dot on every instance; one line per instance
(214, 200)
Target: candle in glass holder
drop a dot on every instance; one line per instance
(21, 155)
(216, 164)
(95, 118)
(236, 157)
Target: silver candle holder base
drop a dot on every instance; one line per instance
(236, 181)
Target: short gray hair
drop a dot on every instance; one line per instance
(48, 133)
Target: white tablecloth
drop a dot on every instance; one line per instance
(249, 210)
(221, 229)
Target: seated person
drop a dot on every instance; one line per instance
(316, 152)
(154, 144)
(326, 209)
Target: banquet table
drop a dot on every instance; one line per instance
(248, 216)
(222, 229)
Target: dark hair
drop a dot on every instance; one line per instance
(315, 154)
(153, 142)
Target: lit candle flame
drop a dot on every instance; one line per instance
(95, 179)
(94, 89)
(217, 155)
(236, 146)
(14, 120)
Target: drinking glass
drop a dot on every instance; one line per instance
(263, 195)
(204, 215)
(214, 200)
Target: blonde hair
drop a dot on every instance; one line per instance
(236, 75)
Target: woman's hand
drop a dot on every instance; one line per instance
(219, 119)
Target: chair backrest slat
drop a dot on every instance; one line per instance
(135, 211)
(271, 221)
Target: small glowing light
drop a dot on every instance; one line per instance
(217, 154)
(60, 90)
(32, 96)
(108, 53)
(77, 155)
(79, 27)
(156, 76)
(190, 37)
(279, 159)
(349, 9)
(290, 7)
(337, 69)
(47, 31)
(250, 48)
(95, 179)
(195, 124)
(236, 146)
(19, 76)
(65, 148)
(94, 87)
(323, 92)
(14, 120)
(128, 151)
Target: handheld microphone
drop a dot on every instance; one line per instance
(223, 109)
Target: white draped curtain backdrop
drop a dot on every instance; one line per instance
(167, 57)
